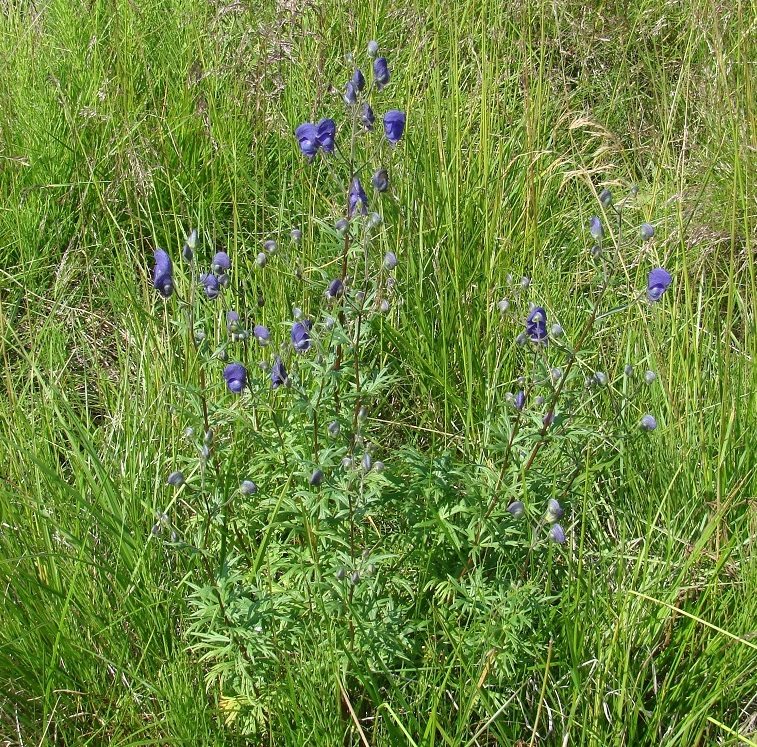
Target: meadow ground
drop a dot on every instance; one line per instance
(126, 123)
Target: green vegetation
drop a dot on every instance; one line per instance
(125, 124)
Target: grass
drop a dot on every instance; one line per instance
(123, 124)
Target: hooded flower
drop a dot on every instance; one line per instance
(261, 334)
(394, 125)
(326, 132)
(595, 228)
(278, 374)
(381, 73)
(358, 79)
(163, 274)
(659, 280)
(350, 94)
(221, 262)
(520, 400)
(307, 138)
(380, 180)
(235, 375)
(335, 289)
(358, 197)
(211, 285)
(367, 117)
(301, 336)
(536, 325)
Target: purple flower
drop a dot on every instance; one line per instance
(232, 321)
(210, 282)
(163, 273)
(394, 125)
(380, 180)
(301, 336)
(326, 132)
(648, 423)
(520, 400)
(554, 511)
(278, 374)
(261, 334)
(235, 375)
(221, 262)
(307, 138)
(557, 534)
(367, 117)
(659, 280)
(358, 79)
(595, 228)
(516, 509)
(536, 325)
(350, 95)
(357, 196)
(335, 289)
(380, 72)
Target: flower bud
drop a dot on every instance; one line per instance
(378, 466)
(376, 220)
(341, 226)
(605, 198)
(296, 235)
(346, 463)
(646, 231)
(554, 511)
(384, 306)
(362, 413)
(503, 305)
(556, 330)
(341, 573)
(350, 94)
(519, 400)
(176, 479)
(329, 322)
(555, 375)
(367, 462)
(189, 432)
(600, 377)
(595, 228)
(557, 534)
(380, 180)
(208, 438)
(390, 260)
(248, 487)
(261, 260)
(516, 509)
(648, 423)
(334, 429)
(373, 48)
(628, 371)
(316, 478)
(270, 246)
(649, 376)
(355, 578)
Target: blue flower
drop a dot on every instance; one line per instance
(659, 280)
(516, 509)
(394, 125)
(326, 132)
(595, 228)
(358, 79)
(646, 231)
(221, 262)
(307, 138)
(278, 374)
(381, 73)
(210, 282)
(357, 196)
(648, 423)
(261, 334)
(520, 400)
(380, 180)
(557, 534)
(301, 336)
(536, 325)
(350, 95)
(335, 289)
(367, 117)
(163, 274)
(235, 375)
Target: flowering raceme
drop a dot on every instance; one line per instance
(163, 275)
